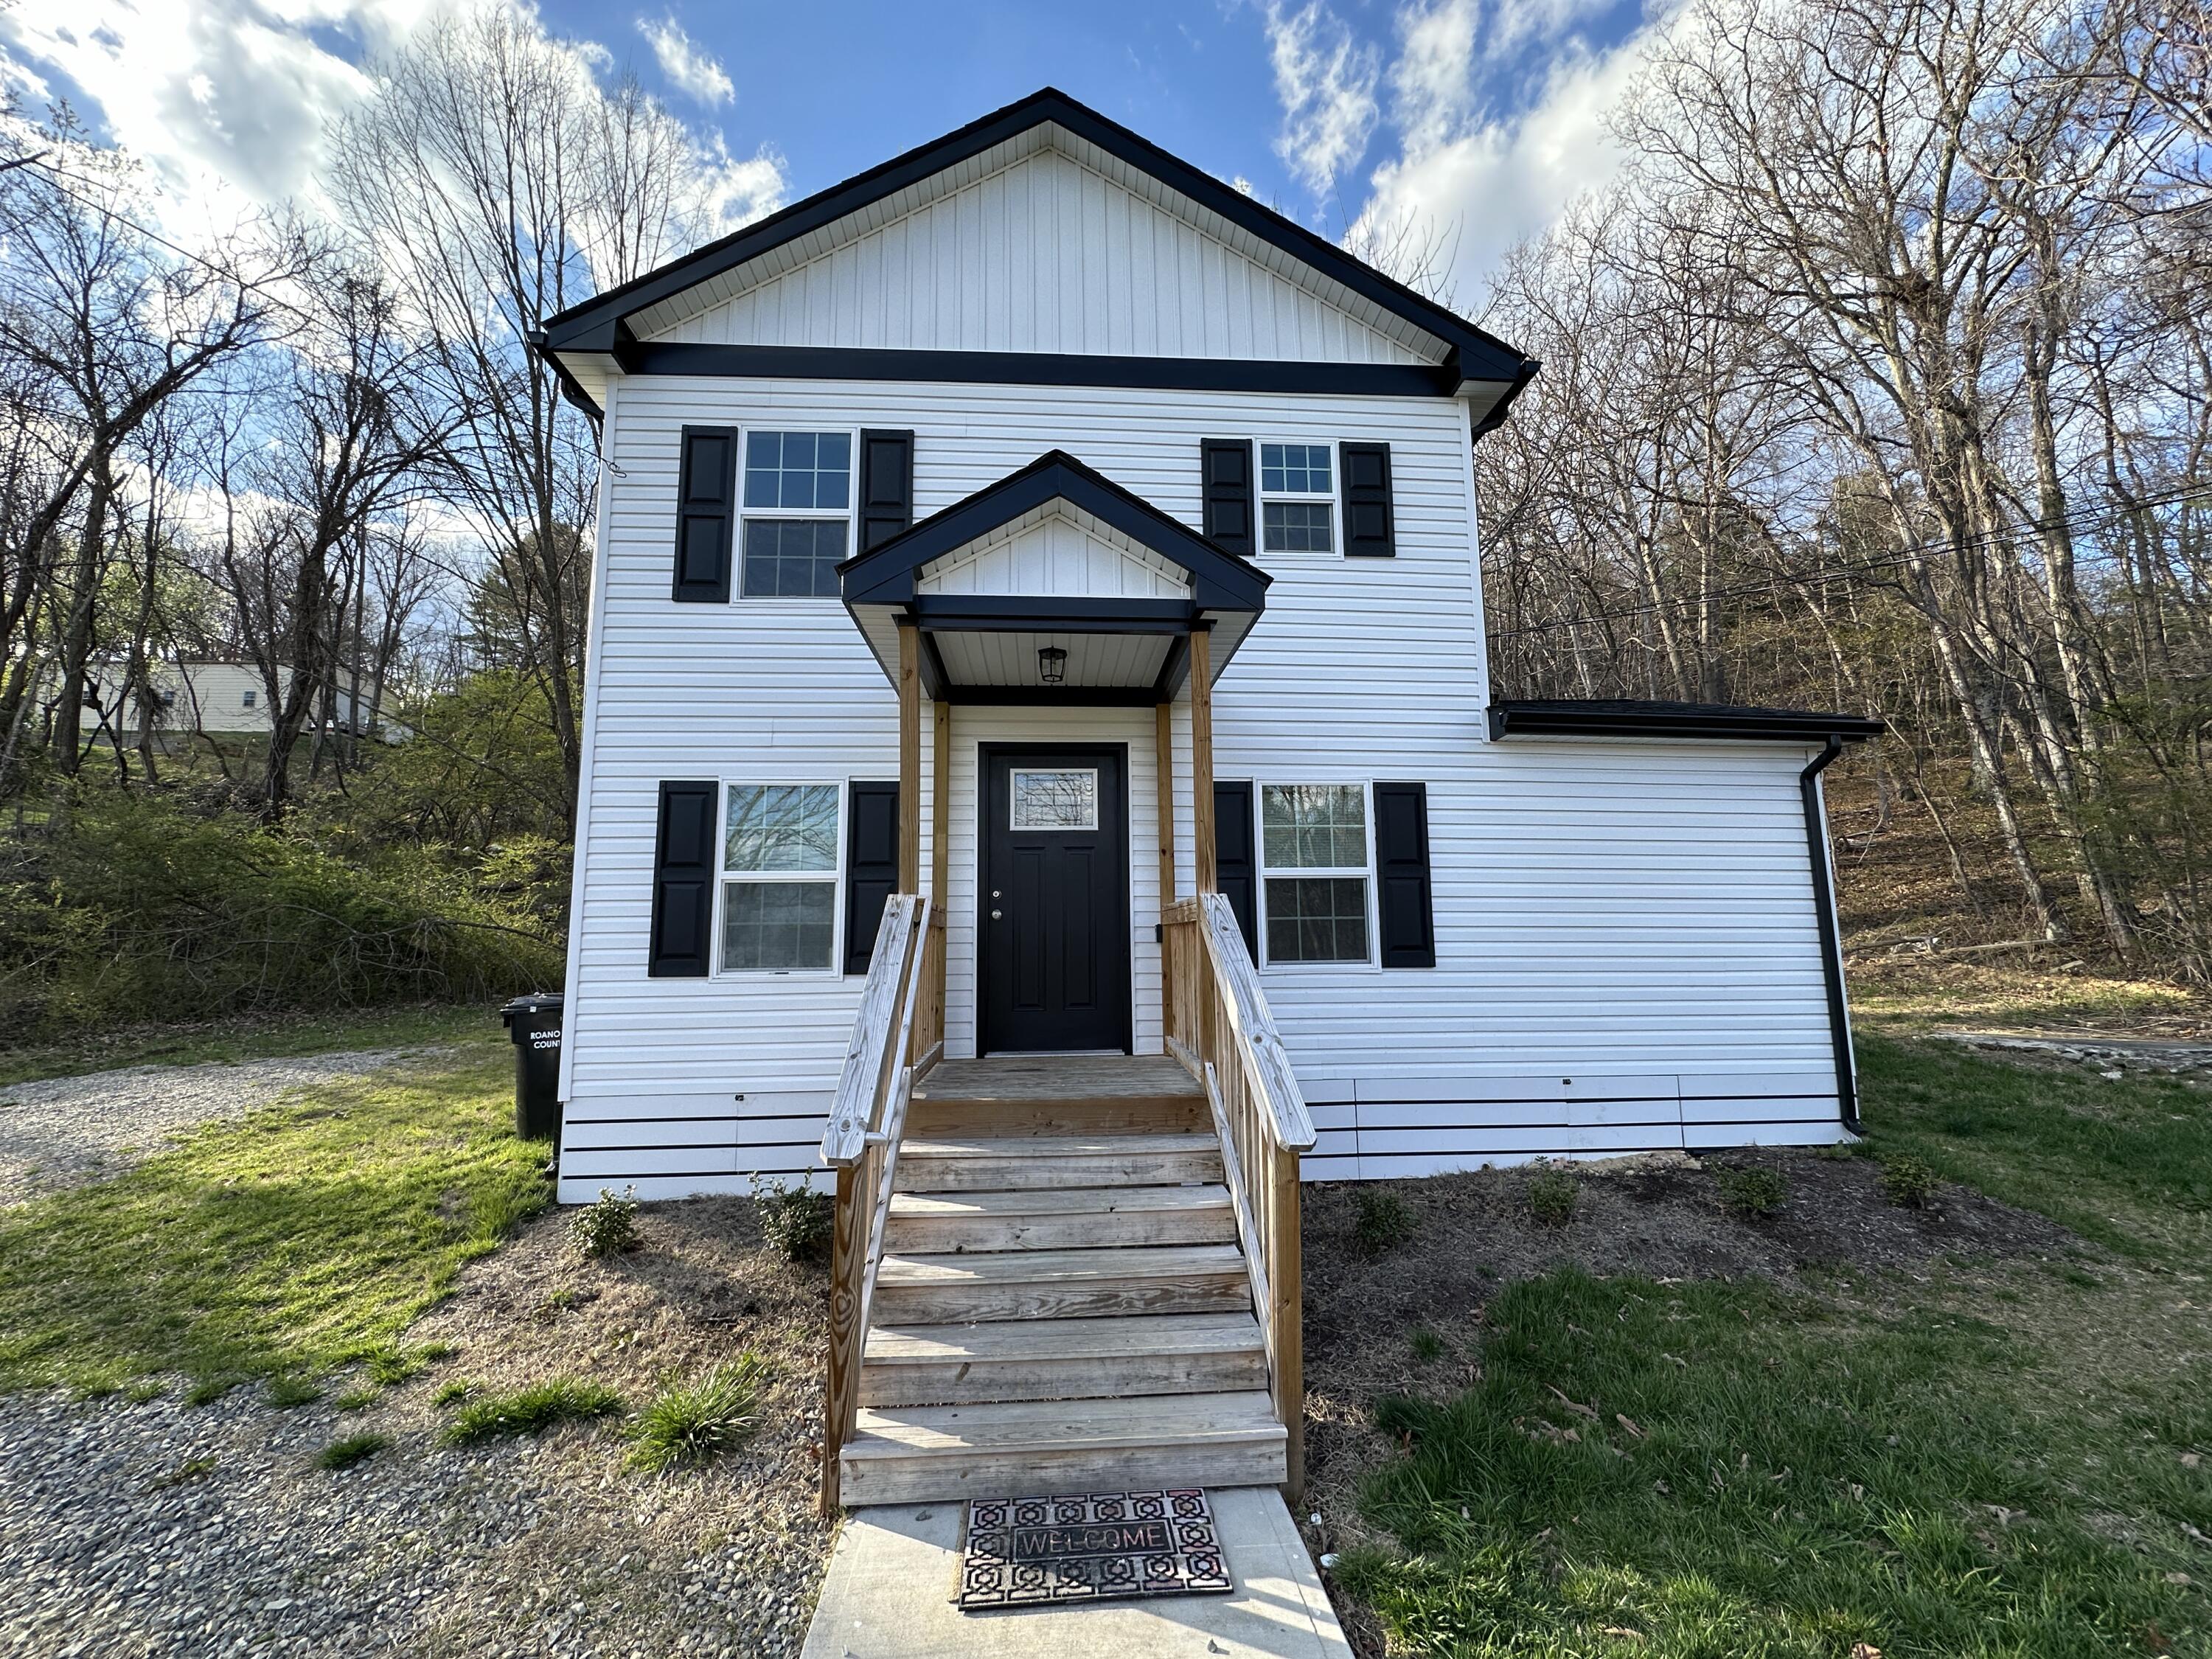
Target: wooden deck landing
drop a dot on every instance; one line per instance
(1058, 1094)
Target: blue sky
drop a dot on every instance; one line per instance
(1476, 121)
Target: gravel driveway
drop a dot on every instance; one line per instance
(66, 1131)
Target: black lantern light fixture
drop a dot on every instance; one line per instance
(1052, 663)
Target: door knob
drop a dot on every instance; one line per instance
(994, 916)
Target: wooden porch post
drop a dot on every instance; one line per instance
(940, 806)
(1163, 767)
(1201, 755)
(909, 799)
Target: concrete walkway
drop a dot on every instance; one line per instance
(888, 1595)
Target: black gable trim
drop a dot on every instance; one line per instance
(885, 575)
(1628, 718)
(1477, 355)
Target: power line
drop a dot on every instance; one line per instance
(1886, 561)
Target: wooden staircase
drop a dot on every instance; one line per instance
(1061, 1303)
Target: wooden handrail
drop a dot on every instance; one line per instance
(902, 1015)
(1219, 1027)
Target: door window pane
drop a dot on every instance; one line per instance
(781, 826)
(1317, 919)
(776, 927)
(1314, 826)
(1056, 800)
(793, 558)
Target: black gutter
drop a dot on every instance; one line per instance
(571, 387)
(1611, 718)
(1824, 912)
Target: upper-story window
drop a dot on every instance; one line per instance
(1297, 499)
(798, 505)
(245, 700)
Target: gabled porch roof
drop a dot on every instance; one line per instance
(1055, 557)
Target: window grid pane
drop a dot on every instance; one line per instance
(1294, 468)
(1317, 919)
(780, 826)
(811, 470)
(1314, 826)
(1295, 528)
(776, 927)
(793, 558)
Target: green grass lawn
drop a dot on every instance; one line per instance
(1999, 1461)
(301, 1237)
(263, 1038)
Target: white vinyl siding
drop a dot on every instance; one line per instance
(1043, 255)
(1625, 930)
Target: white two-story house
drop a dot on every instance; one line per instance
(1063, 404)
(1039, 562)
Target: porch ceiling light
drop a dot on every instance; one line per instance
(1052, 663)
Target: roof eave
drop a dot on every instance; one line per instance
(1553, 718)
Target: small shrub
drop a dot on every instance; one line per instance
(697, 1423)
(608, 1227)
(344, 1454)
(208, 1390)
(1381, 1220)
(796, 1219)
(289, 1390)
(1755, 1191)
(532, 1411)
(1553, 1194)
(358, 1400)
(1427, 1345)
(453, 1393)
(1907, 1181)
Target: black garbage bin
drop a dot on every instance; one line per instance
(534, 1022)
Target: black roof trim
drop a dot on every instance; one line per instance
(592, 326)
(1037, 368)
(1218, 580)
(1622, 717)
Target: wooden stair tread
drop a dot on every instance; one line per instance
(1056, 1201)
(1064, 1338)
(1057, 1146)
(1047, 1426)
(1026, 1267)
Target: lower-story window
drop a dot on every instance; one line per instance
(780, 878)
(1315, 864)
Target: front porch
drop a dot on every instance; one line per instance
(1057, 1270)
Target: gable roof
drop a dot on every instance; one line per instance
(1219, 581)
(603, 324)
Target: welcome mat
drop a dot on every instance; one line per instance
(1100, 1546)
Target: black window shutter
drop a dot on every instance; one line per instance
(1371, 529)
(1401, 869)
(1235, 874)
(706, 514)
(683, 881)
(870, 868)
(1225, 469)
(886, 487)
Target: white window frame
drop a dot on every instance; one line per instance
(850, 513)
(1262, 869)
(1262, 495)
(834, 875)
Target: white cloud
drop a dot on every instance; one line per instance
(688, 68)
(1483, 174)
(1326, 81)
(741, 188)
(227, 100)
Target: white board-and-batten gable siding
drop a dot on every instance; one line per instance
(1044, 254)
(1627, 948)
(1057, 551)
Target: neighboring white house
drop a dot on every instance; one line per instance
(1071, 414)
(229, 699)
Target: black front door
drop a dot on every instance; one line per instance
(1054, 919)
